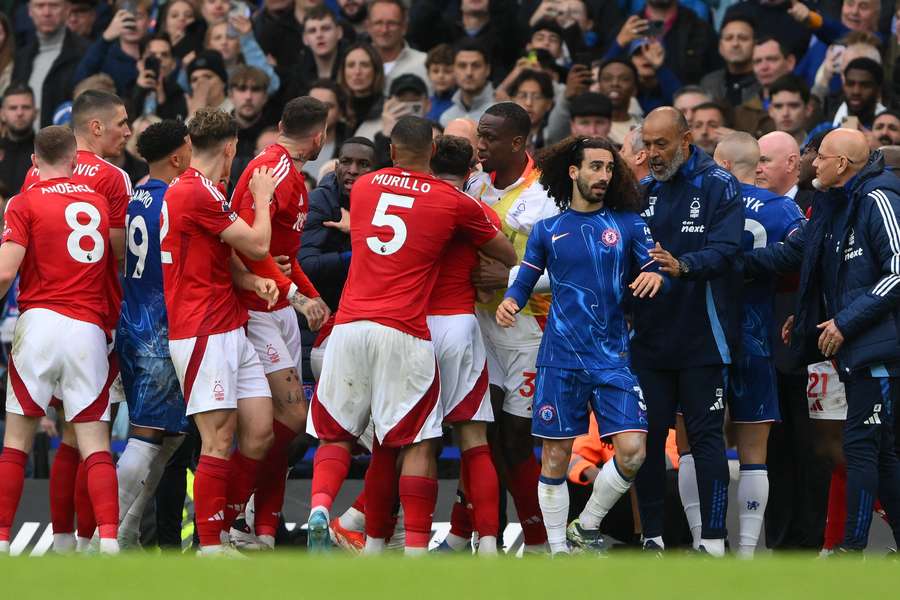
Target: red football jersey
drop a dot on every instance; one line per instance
(64, 228)
(288, 208)
(400, 225)
(454, 293)
(112, 183)
(200, 297)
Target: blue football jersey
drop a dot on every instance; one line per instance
(591, 258)
(768, 219)
(143, 326)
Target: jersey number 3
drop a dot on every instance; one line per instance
(86, 230)
(393, 222)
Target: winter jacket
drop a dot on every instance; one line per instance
(325, 252)
(698, 216)
(853, 239)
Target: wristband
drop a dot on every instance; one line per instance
(292, 291)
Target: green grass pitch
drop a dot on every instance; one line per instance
(299, 576)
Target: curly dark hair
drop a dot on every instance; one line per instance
(554, 162)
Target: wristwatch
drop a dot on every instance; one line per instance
(683, 267)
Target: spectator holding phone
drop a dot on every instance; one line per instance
(690, 43)
(117, 51)
(408, 95)
(856, 15)
(179, 20)
(157, 90)
(233, 39)
(656, 82)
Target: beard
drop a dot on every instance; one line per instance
(584, 188)
(673, 167)
(886, 140)
(313, 153)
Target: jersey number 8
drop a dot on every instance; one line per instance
(81, 231)
(395, 223)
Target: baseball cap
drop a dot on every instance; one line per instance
(636, 45)
(408, 83)
(211, 61)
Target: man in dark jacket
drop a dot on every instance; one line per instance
(48, 61)
(849, 308)
(325, 250)
(684, 342)
(690, 42)
(17, 116)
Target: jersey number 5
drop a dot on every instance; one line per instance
(81, 231)
(395, 223)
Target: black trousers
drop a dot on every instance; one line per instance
(798, 477)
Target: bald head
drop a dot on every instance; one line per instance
(464, 128)
(738, 152)
(779, 162)
(667, 116)
(667, 138)
(843, 154)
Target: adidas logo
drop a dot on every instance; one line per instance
(717, 405)
(219, 516)
(875, 419)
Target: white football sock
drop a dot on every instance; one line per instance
(63, 543)
(353, 520)
(132, 470)
(487, 546)
(410, 551)
(130, 527)
(82, 544)
(753, 495)
(109, 546)
(4, 547)
(553, 496)
(715, 547)
(374, 546)
(690, 496)
(456, 542)
(608, 488)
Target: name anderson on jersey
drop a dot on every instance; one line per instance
(66, 188)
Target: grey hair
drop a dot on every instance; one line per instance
(637, 139)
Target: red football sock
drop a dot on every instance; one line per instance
(270, 487)
(12, 478)
(242, 475)
(87, 522)
(103, 488)
(381, 491)
(210, 487)
(461, 518)
(62, 489)
(837, 508)
(418, 496)
(482, 489)
(330, 467)
(360, 502)
(523, 481)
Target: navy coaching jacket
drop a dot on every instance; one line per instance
(698, 216)
(853, 241)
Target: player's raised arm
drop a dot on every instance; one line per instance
(253, 240)
(651, 280)
(530, 271)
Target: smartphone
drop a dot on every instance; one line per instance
(654, 29)
(850, 122)
(129, 6)
(837, 54)
(414, 108)
(151, 63)
(238, 9)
